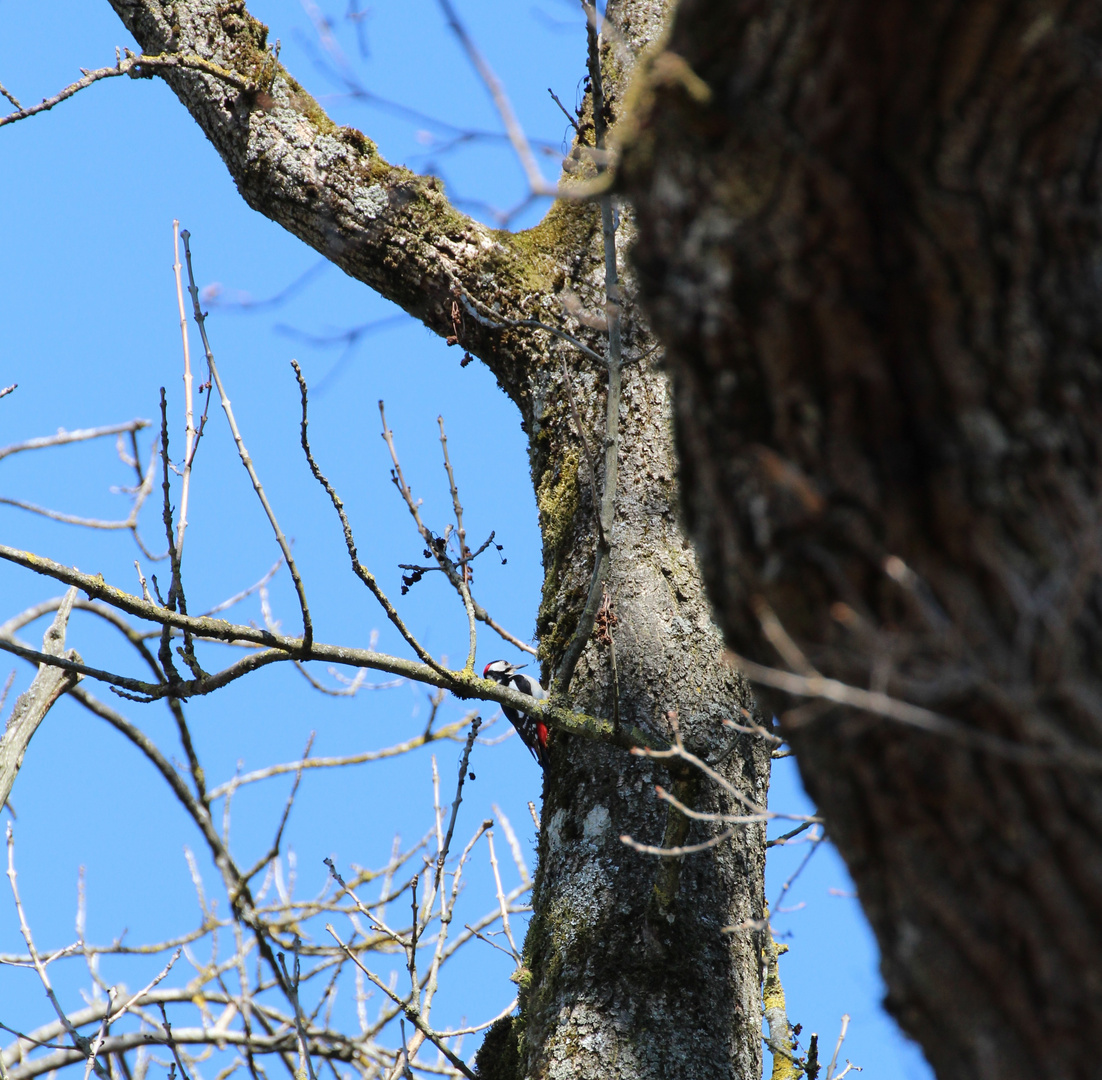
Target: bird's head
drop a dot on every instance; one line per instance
(501, 671)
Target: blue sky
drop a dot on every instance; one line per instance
(88, 193)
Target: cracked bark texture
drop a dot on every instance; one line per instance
(869, 237)
(629, 971)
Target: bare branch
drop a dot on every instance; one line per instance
(791, 880)
(63, 438)
(79, 1041)
(37, 700)
(358, 568)
(190, 434)
(464, 551)
(246, 460)
(281, 647)
(683, 849)
(238, 597)
(15, 101)
(780, 841)
(901, 712)
(140, 494)
(514, 844)
(136, 67)
(536, 182)
(448, 732)
(292, 981)
(837, 1049)
(569, 116)
(411, 1015)
(111, 1015)
(502, 324)
(456, 573)
(502, 906)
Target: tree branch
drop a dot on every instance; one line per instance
(281, 647)
(33, 704)
(382, 224)
(137, 67)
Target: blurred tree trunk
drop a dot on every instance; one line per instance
(630, 973)
(869, 237)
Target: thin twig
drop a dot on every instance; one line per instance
(514, 844)
(131, 65)
(63, 438)
(15, 101)
(273, 851)
(131, 1001)
(677, 750)
(353, 687)
(570, 118)
(246, 460)
(358, 568)
(436, 546)
(464, 551)
(189, 412)
(797, 872)
(79, 1041)
(838, 1047)
(65, 519)
(7, 690)
(537, 184)
(140, 494)
(679, 851)
(880, 704)
(780, 841)
(281, 647)
(411, 948)
(500, 323)
(779, 638)
(464, 760)
(172, 1042)
(176, 596)
(411, 1015)
(238, 597)
(292, 981)
(502, 907)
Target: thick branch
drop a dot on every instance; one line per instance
(328, 185)
(280, 647)
(37, 700)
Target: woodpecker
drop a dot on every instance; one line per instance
(532, 732)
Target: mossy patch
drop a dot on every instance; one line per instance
(498, 1058)
(558, 498)
(566, 229)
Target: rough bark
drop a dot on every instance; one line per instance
(629, 972)
(869, 238)
(36, 701)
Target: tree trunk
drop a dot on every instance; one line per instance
(629, 971)
(869, 237)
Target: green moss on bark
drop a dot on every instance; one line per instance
(558, 498)
(498, 1057)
